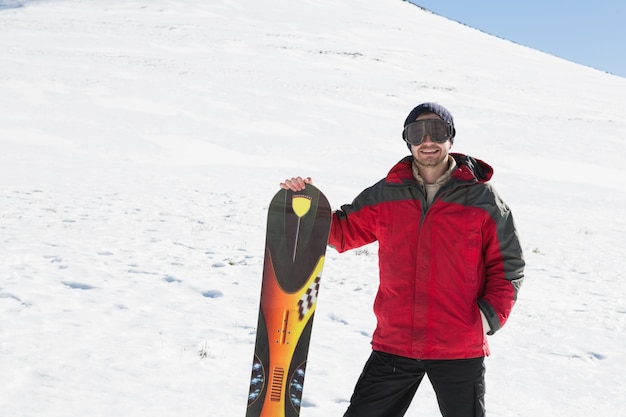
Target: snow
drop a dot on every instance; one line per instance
(141, 142)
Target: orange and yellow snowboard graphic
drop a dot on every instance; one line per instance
(297, 235)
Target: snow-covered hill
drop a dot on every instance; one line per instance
(141, 142)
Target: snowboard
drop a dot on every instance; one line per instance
(298, 224)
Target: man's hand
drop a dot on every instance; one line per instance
(296, 183)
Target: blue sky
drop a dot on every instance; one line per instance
(589, 33)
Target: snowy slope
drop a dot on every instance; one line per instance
(141, 142)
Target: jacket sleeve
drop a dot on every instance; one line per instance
(504, 264)
(355, 224)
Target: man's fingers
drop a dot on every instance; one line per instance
(296, 183)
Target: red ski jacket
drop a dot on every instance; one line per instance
(439, 266)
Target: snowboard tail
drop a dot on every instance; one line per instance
(297, 234)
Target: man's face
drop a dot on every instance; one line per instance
(430, 153)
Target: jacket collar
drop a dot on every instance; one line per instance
(468, 169)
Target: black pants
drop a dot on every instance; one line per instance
(389, 382)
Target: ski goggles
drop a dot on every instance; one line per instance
(438, 130)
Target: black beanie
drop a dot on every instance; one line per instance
(435, 108)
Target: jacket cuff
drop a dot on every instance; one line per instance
(490, 315)
(483, 319)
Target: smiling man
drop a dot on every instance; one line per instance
(450, 268)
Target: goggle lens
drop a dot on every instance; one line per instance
(438, 130)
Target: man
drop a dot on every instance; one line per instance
(450, 269)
